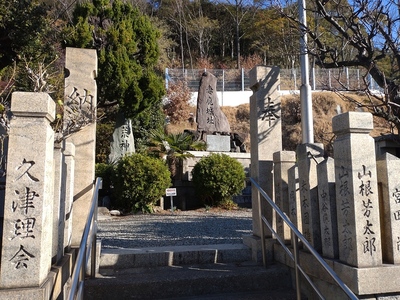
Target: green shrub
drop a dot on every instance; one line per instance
(139, 182)
(103, 136)
(217, 178)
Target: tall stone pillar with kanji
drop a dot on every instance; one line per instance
(357, 203)
(28, 210)
(80, 109)
(283, 161)
(265, 135)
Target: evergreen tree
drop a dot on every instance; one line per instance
(24, 31)
(126, 43)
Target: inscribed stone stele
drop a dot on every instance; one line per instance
(210, 117)
(122, 139)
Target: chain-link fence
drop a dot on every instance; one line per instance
(238, 79)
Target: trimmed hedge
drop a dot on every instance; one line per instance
(140, 181)
(217, 178)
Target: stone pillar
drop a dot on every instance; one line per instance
(294, 197)
(80, 101)
(283, 161)
(327, 208)
(68, 179)
(265, 135)
(356, 190)
(58, 207)
(388, 169)
(28, 214)
(309, 155)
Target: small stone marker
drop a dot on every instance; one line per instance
(68, 179)
(294, 197)
(356, 190)
(388, 169)
(309, 155)
(58, 206)
(327, 208)
(283, 161)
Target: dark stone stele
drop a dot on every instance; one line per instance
(210, 118)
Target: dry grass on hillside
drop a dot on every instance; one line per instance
(325, 106)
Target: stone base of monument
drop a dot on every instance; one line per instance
(218, 143)
(186, 197)
(366, 283)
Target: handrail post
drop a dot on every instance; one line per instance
(295, 243)
(79, 269)
(304, 242)
(93, 254)
(262, 234)
(94, 241)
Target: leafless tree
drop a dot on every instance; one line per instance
(357, 33)
(239, 10)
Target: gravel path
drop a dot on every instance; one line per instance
(197, 227)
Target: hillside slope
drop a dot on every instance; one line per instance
(325, 106)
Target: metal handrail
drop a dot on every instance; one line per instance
(87, 247)
(296, 234)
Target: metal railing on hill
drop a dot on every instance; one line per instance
(296, 236)
(238, 79)
(87, 248)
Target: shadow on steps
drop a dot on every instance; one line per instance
(246, 280)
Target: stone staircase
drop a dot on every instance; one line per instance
(222, 271)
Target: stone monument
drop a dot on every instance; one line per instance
(122, 139)
(210, 118)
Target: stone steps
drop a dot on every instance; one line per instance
(187, 272)
(173, 255)
(205, 281)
